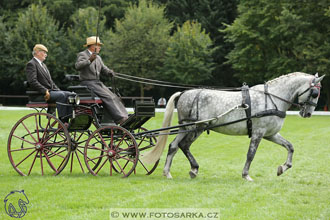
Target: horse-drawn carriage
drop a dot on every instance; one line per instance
(40, 143)
(41, 139)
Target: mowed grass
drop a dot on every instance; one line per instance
(303, 192)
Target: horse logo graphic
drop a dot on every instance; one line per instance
(13, 198)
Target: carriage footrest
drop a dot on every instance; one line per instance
(134, 122)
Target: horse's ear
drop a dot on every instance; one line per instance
(319, 79)
(316, 75)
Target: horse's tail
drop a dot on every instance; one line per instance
(154, 155)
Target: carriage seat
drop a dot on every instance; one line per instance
(86, 95)
(36, 99)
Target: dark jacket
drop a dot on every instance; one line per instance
(38, 77)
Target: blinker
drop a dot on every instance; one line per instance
(314, 93)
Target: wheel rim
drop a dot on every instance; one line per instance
(145, 144)
(116, 150)
(38, 140)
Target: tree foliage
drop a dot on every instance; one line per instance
(33, 26)
(275, 38)
(212, 15)
(189, 55)
(139, 43)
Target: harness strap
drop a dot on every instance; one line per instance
(270, 112)
(270, 97)
(247, 102)
(196, 100)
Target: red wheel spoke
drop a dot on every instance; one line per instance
(55, 153)
(126, 159)
(28, 148)
(81, 166)
(22, 139)
(103, 141)
(29, 132)
(46, 128)
(71, 162)
(144, 166)
(98, 157)
(56, 144)
(52, 135)
(96, 148)
(120, 167)
(42, 167)
(101, 167)
(111, 166)
(25, 158)
(121, 140)
(37, 128)
(142, 140)
(49, 162)
(35, 157)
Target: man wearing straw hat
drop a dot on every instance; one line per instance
(39, 78)
(91, 66)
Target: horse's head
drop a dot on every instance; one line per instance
(309, 95)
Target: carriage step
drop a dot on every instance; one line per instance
(107, 124)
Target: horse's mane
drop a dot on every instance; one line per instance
(287, 76)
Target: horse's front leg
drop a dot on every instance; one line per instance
(278, 139)
(254, 143)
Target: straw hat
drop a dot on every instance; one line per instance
(92, 40)
(39, 47)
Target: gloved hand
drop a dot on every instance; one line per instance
(92, 57)
(112, 73)
(47, 95)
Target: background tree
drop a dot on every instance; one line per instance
(139, 43)
(33, 26)
(275, 38)
(189, 55)
(212, 15)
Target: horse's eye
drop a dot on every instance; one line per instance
(314, 93)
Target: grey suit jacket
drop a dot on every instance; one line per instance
(38, 77)
(91, 70)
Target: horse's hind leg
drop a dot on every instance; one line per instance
(184, 146)
(254, 143)
(278, 139)
(173, 148)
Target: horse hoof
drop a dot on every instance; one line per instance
(279, 170)
(248, 178)
(192, 174)
(168, 175)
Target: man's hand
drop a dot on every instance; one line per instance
(92, 57)
(47, 95)
(112, 73)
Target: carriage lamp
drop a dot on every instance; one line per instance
(74, 99)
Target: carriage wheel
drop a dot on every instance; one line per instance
(78, 141)
(145, 144)
(39, 140)
(117, 149)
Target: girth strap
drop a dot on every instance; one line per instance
(246, 101)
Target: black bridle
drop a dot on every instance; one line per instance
(314, 93)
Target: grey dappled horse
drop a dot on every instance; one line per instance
(214, 108)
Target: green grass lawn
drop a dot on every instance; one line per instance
(303, 192)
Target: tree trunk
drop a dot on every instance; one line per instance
(141, 90)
